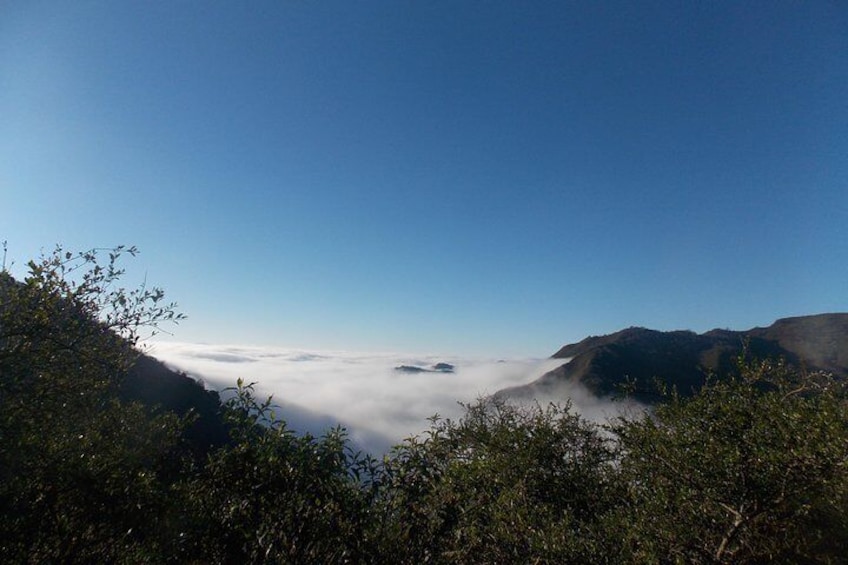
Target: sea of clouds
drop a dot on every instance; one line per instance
(378, 405)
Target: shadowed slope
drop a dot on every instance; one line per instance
(638, 357)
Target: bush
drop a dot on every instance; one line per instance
(505, 484)
(273, 496)
(750, 470)
(79, 470)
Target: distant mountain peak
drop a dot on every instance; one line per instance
(639, 356)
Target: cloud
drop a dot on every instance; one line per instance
(379, 406)
(224, 357)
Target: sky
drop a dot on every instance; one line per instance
(449, 178)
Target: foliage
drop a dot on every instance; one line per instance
(273, 496)
(751, 469)
(78, 469)
(505, 484)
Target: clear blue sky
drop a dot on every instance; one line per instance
(464, 177)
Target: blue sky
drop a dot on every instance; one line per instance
(492, 178)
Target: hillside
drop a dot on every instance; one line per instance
(640, 356)
(159, 388)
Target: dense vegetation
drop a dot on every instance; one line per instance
(751, 469)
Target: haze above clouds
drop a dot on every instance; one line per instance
(361, 391)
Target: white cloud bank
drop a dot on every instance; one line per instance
(361, 391)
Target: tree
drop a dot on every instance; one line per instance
(79, 469)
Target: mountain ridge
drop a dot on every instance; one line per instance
(637, 357)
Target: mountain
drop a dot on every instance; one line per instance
(638, 357)
(437, 368)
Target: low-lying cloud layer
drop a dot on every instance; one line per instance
(361, 391)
